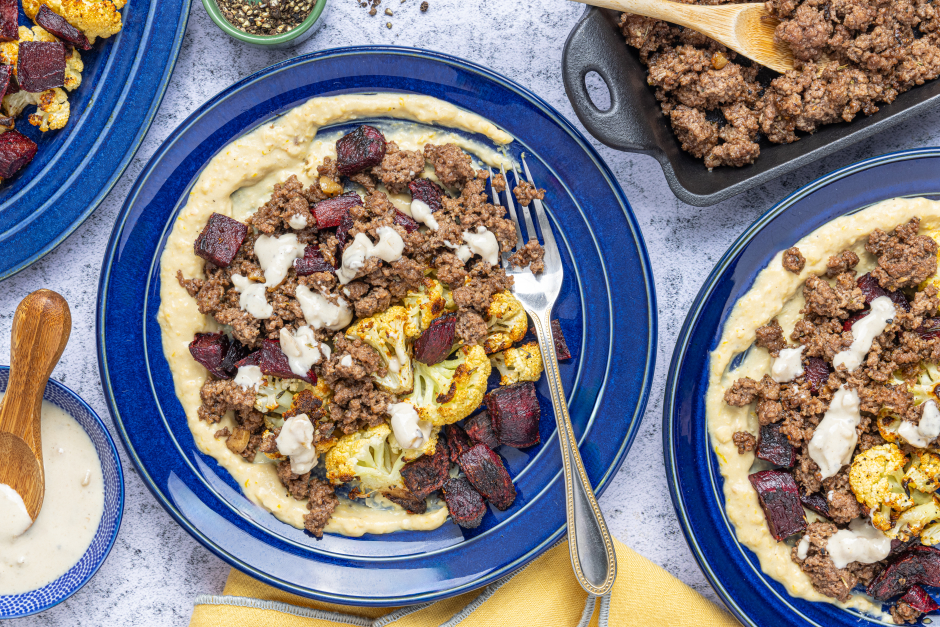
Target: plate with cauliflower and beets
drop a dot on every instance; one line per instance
(346, 387)
(817, 413)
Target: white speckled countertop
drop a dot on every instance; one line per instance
(156, 569)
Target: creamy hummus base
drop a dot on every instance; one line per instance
(779, 293)
(235, 183)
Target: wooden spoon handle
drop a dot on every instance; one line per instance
(41, 327)
(716, 21)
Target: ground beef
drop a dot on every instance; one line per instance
(843, 262)
(902, 613)
(287, 200)
(744, 441)
(531, 255)
(485, 280)
(452, 165)
(831, 301)
(470, 327)
(525, 193)
(322, 501)
(770, 336)
(219, 396)
(499, 182)
(297, 485)
(823, 574)
(793, 260)
(904, 257)
(450, 270)
(398, 168)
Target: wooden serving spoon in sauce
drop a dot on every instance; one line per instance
(41, 327)
(745, 28)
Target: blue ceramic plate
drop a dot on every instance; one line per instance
(122, 86)
(17, 605)
(607, 286)
(694, 478)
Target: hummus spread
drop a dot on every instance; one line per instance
(238, 180)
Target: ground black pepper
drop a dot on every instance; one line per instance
(267, 17)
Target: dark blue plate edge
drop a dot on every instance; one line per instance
(678, 355)
(132, 149)
(652, 337)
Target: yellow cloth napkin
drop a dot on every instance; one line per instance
(544, 594)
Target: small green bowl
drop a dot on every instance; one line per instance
(289, 39)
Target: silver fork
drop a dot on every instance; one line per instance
(589, 542)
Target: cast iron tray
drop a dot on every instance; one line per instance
(635, 123)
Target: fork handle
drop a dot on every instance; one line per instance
(589, 541)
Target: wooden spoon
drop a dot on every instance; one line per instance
(41, 327)
(745, 28)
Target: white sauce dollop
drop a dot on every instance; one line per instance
(252, 297)
(320, 313)
(859, 543)
(298, 221)
(788, 365)
(346, 361)
(922, 434)
(302, 349)
(389, 248)
(410, 431)
(296, 441)
(421, 212)
(835, 437)
(482, 243)
(249, 377)
(14, 519)
(802, 549)
(276, 255)
(864, 333)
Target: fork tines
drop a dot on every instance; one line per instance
(544, 230)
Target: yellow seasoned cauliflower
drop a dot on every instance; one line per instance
(411, 454)
(923, 474)
(875, 477)
(385, 332)
(518, 364)
(275, 395)
(931, 534)
(912, 522)
(95, 18)
(366, 456)
(424, 306)
(506, 323)
(52, 110)
(452, 389)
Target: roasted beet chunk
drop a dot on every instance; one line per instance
(312, 262)
(514, 411)
(6, 73)
(40, 65)
(561, 347)
(815, 502)
(330, 212)
(56, 24)
(465, 504)
(870, 288)
(427, 473)
(234, 355)
(407, 500)
(405, 221)
(220, 240)
(480, 430)
(342, 231)
(16, 151)
(919, 565)
(774, 447)
(918, 598)
(436, 342)
(9, 16)
(816, 371)
(357, 151)
(458, 442)
(253, 359)
(486, 472)
(929, 329)
(274, 362)
(210, 349)
(849, 322)
(780, 499)
(428, 192)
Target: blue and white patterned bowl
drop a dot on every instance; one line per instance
(19, 605)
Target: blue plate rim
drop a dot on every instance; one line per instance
(682, 342)
(652, 312)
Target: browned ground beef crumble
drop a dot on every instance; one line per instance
(356, 402)
(850, 56)
(905, 259)
(793, 260)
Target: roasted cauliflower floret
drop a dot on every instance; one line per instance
(923, 388)
(912, 522)
(506, 323)
(411, 454)
(875, 477)
(275, 395)
(924, 472)
(450, 390)
(523, 363)
(95, 18)
(424, 306)
(385, 332)
(52, 110)
(366, 456)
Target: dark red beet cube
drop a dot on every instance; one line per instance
(40, 65)
(235, 354)
(780, 500)
(312, 262)
(360, 150)
(465, 504)
(918, 598)
(515, 412)
(774, 447)
(437, 341)
(428, 192)
(220, 240)
(929, 329)
(849, 322)
(330, 212)
(58, 26)
(9, 20)
(274, 362)
(427, 473)
(815, 502)
(458, 442)
(816, 371)
(253, 359)
(870, 288)
(480, 430)
(406, 221)
(210, 349)
(485, 470)
(16, 151)
(899, 546)
(561, 347)
(918, 565)
(6, 73)
(342, 231)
